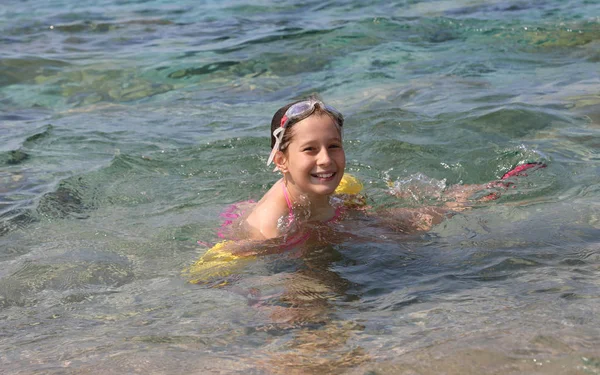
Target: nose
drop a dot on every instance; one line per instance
(324, 158)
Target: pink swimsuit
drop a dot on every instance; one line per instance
(235, 211)
(300, 237)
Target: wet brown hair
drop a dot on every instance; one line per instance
(287, 134)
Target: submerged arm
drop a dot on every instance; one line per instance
(412, 221)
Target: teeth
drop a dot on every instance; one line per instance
(324, 175)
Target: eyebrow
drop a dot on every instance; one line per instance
(310, 141)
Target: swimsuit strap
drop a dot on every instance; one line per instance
(298, 238)
(289, 203)
(337, 215)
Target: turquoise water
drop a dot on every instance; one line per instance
(126, 127)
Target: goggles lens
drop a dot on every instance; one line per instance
(304, 109)
(300, 109)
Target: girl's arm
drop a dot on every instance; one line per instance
(413, 221)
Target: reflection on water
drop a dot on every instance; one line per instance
(126, 128)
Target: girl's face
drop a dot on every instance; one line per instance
(314, 159)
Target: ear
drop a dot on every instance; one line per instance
(280, 161)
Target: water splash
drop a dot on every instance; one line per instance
(417, 188)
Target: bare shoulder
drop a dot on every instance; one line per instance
(262, 222)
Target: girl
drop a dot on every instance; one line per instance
(307, 149)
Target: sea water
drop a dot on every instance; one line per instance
(127, 126)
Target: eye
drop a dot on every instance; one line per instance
(308, 149)
(335, 145)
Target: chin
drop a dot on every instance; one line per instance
(326, 189)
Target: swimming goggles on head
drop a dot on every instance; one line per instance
(299, 111)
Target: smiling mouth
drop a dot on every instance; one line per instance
(323, 175)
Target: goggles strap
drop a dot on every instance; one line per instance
(283, 121)
(278, 135)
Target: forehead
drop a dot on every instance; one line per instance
(315, 127)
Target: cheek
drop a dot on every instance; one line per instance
(341, 158)
(299, 160)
